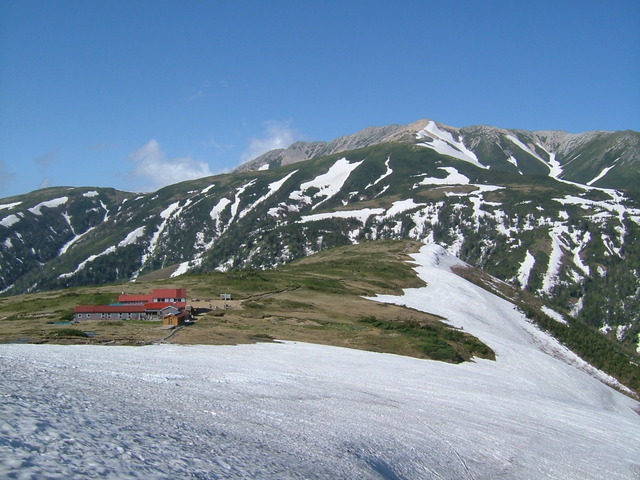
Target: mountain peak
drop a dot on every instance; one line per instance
(300, 151)
(489, 147)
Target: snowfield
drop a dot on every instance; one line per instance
(294, 410)
(443, 142)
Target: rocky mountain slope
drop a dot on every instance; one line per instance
(605, 159)
(554, 213)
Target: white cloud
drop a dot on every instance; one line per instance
(153, 169)
(276, 135)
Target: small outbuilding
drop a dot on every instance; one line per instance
(175, 319)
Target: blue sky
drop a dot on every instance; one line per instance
(139, 94)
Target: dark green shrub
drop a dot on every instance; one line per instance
(68, 332)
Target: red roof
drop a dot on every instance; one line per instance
(160, 305)
(149, 307)
(157, 293)
(169, 293)
(140, 303)
(134, 298)
(110, 309)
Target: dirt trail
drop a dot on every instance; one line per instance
(171, 334)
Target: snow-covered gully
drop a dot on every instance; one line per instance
(292, 410)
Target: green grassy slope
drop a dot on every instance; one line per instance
(316, 299)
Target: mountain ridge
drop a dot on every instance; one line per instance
(599, 145)
(300, 151)
(505, 206)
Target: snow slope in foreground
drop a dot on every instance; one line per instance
(296, 410)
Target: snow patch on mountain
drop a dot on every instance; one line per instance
(217, 210)
(513, 161)
(56, 202)
(553, 314)
(425, 219)
(611, 248)
(88, 260)
(10, 220)
(614, 206)
(165, 215)
(402, 206)
(606, 209)
(456, 244)
(132, 237)
(181, 270)
(202, 246)
(387, 173)
(555, 168)
(524, 271)
(169, 211)
(453, 178)
(516, 141)
(600, 175)
(555, 259)
(443, 142)
(328, 184)
(384, 189)
(362, 215)
(76, 236)
(577, 307)
(581, 241)
(272, 189)
(238, 198)
(206, 190)
(9, 206)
